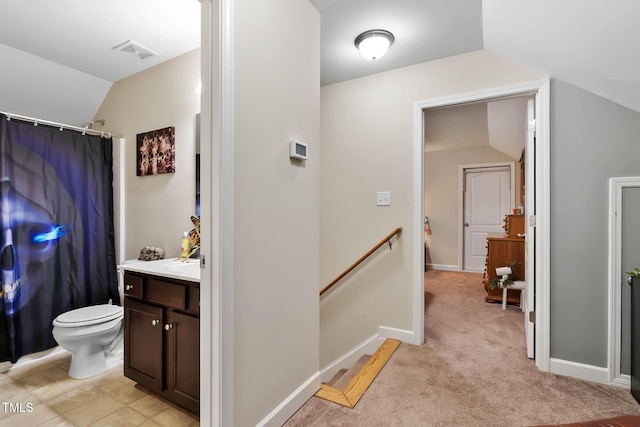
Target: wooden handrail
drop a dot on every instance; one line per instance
(362, 258)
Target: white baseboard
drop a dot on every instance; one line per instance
(292, 403)
(295, 400)
(579, 370)
(403, 335)
(623, 381)
(368, 346)
(443, 267)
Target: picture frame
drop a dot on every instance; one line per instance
(156, 152)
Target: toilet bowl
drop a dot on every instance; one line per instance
(93, 335)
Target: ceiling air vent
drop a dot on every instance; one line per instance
(134, 50)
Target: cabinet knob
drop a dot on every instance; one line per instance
(168, 326)
(154, 322)
(128, 287)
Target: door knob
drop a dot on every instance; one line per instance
(629, 281)
(466, 224)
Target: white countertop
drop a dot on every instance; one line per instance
(173, 268)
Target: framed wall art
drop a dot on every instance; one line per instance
(156, 152)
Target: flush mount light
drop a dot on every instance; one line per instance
(373, 44)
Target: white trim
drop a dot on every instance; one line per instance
(543, 227)
(216, 290)
(623, 381)
(403, 335)
(418, 224)
(616, 186)
(579, 370)
(462, 169)
(368, 346)
(541, 90)
(210, 414)
(443, 267)
(292, 403)
(119, 188)
(225, 244)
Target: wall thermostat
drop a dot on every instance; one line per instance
(297, 150)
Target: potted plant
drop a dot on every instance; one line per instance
(501, 282)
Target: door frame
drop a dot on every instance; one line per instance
(616, 186)
(461, 203)
(540, 89)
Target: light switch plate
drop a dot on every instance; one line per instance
(383, 198)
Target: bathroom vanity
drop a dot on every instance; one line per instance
(162, 328)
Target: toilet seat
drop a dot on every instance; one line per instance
(91, 315)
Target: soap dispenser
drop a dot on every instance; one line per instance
(184, 246)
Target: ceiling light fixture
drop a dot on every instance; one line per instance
(373, 44)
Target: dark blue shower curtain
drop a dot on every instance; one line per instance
(57, 242)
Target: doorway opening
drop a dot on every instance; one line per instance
(536, 206)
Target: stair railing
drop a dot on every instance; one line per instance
(362, 258)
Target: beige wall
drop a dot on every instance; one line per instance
(442, 199)
(276, 203)
(367, 146)
(157, 208)
(482, 132)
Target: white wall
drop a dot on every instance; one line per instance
(276, 97)
(158, 207)
(367, 140)
(36, 87)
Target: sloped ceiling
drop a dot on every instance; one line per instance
(58, 62)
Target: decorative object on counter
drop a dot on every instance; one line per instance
(156, 152)
(192, 244)
(151, 253)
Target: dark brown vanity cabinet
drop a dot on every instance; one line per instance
(162, 337)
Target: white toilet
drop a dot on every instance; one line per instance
(94, 336)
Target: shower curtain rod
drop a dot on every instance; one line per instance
(61, 126)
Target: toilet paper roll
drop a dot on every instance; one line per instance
(501, 271)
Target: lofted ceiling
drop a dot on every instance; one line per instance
(58, 61)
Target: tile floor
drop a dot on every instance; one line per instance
(40, 393)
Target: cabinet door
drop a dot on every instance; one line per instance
(183, 359)
(143, 343)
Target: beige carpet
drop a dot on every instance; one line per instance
(472, 371)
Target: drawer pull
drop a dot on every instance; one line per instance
(168, 326)
(154, 322)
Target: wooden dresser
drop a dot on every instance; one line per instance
(502, 252)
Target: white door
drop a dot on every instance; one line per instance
(487, 199)
(530, 230)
